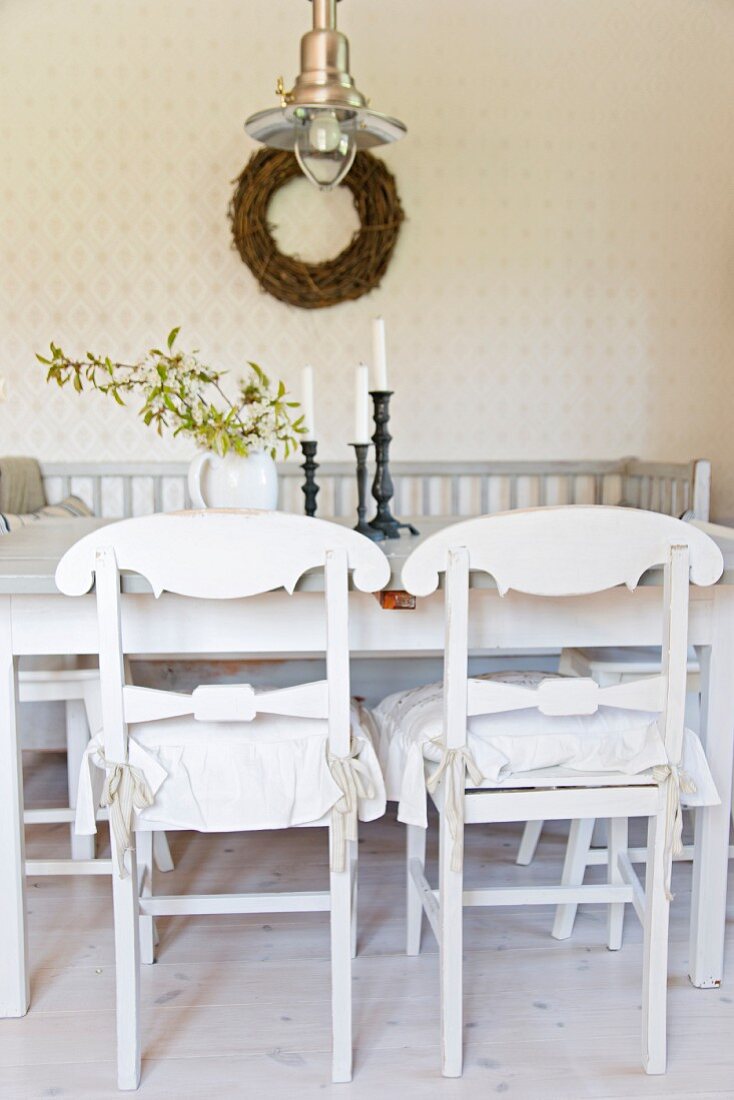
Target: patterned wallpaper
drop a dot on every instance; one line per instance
(564, 284)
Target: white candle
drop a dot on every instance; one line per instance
(379, 360)
(361, 412)
(307, 407)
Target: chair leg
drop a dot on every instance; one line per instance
(655, 951)
(574, 868)
(77, 739)
(127, 972)
(617, 830)
(451, 915)
(341, 971)
(162, 853)
(354, 889)
(528, 844)
(147, 925)
(565, 664)
(600, 835)
(415, 849)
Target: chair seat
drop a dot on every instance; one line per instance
(525, 748)
(270, 773)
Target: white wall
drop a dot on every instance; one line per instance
(563, 286)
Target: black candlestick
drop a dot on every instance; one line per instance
(310, 466)
(382, 486)
(361, 449)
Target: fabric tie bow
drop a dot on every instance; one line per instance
(454, 800)
(125, 789)
(354, 781)
(678, 782)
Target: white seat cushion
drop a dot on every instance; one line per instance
(270, 773)
(609, 742)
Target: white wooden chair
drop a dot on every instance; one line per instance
(616, 666)
(554, 553)
(227, 556)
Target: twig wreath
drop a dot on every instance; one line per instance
(355, 271)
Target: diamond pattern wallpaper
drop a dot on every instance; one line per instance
(564, 283)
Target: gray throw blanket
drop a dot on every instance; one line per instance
(21, 485)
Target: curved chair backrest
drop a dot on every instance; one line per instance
(566, 551)
(562, 552)
(220, 555)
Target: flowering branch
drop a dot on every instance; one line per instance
(175, 387)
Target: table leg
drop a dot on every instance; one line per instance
(711, 852)
(14, 985)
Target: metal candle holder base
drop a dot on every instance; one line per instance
(382, 486)
(310, 466)
(361, 450)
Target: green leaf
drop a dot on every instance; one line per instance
(179, 401)
(259, 373)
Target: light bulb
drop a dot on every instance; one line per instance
(325, 147)
(325, 133)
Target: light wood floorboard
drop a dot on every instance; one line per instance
(239, 1006)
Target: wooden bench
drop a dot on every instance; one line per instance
(121, 489)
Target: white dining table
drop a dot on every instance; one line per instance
(35, 619)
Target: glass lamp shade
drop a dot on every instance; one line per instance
(325, 146)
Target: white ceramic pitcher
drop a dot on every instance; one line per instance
(233, 481)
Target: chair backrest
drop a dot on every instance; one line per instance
(566, 552)
(222, 555)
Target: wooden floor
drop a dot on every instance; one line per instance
(239, 1006)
